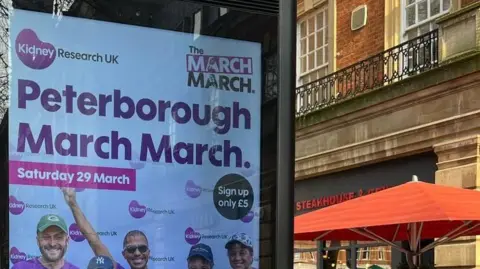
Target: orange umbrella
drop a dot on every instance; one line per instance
(411, 211)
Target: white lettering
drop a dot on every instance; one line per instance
(102, 178)
(36, 174)
(33, 50)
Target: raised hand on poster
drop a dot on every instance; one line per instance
(70, 195)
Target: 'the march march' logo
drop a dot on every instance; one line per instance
(33, 52)
(228, 73)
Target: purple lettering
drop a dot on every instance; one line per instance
(212, 157)
(196, 115)
(23, 96)
(69, 93)
(104, 100)
(45, 136)
(117, 142)
(118, 100)
(148, 147)
(237, 112)
(187, 148)
(49, 96)
(221, 117)
(187, 113)
(71, 150)
(87, 99)
(98, 147)
(227, 153)
(151, 107)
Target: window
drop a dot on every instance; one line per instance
(363, 254)
(419, 16)
(305, 255)
(313, 46)
(381, 254)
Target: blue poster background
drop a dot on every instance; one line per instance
(151, 64)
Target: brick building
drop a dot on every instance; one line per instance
(385, 90)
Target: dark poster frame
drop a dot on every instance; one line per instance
(283, 207)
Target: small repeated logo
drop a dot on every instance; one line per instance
(192, 237)
(251, 215)
(137, 210)
(192, 190)
(75, 233)
(15, 206)
(33, 52)
(17, 256)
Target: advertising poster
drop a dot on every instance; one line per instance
(131, 146)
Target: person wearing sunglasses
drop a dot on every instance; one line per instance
(135, 244)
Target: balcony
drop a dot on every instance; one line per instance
(395, 64)
(404, 101)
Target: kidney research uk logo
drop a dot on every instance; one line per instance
(17, 256)
(33, 52)
(193, 237)
(138, 211)
(17, 206)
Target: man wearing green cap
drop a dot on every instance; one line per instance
(52, 240)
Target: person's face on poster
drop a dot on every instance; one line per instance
(240, 257)
(53, 243)
(198, 263)
(136, 252)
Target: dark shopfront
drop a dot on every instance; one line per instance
(255, 21)
(312, 194)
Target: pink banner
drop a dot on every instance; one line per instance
(74, 176)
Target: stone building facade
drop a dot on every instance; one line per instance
(433, 111)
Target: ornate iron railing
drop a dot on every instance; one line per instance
(405, 60)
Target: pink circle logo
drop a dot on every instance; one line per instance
(33, 52)
(191, 236)
(192, 189)
(75, 233)
(16, 207)
(137, 210)
(17, 256)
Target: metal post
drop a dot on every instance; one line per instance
(286, 134)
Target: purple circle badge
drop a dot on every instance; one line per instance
(17, 256)
(137, 210)
(32, 51)
(75, 233)
(191, 236)
(192, 190)
(15, 206)
(249, 217)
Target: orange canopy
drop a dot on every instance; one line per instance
(413, 210)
